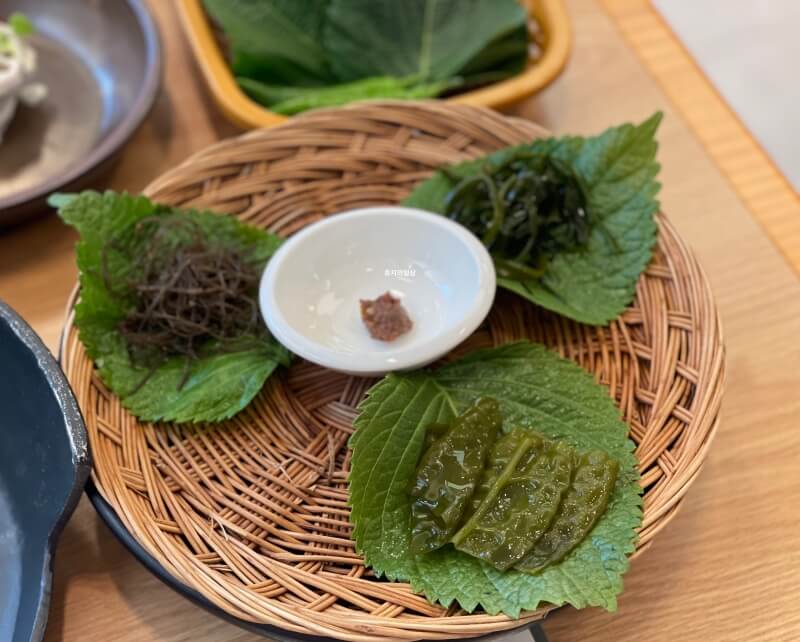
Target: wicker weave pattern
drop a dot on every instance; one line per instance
(253, 513)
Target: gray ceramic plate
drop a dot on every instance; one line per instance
(101, 62)
(44, 463)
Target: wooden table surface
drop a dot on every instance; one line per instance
(725, 569)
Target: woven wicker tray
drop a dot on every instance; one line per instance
(252, 513)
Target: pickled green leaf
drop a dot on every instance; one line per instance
(434, 432)
(449, 472)
(535, 388)
(499, 458)
(519, 496)
(584, 502)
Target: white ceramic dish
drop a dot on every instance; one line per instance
(311, 288)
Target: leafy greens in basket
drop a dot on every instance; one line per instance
(292, 55)
(588, 205)
(536, 390)
(167, 306)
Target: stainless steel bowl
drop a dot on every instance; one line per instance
(101, 62)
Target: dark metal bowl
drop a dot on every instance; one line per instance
(44, 464)
(101, 62)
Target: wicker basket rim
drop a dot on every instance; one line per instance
(680, 398)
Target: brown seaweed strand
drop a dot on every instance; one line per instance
(193, 297)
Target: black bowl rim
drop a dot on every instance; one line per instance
(118, 136)
(76, 431)
(114, 523)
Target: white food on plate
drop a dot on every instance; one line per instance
(17, 69)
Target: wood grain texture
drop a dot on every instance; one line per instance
(743, 161)
(724, 569)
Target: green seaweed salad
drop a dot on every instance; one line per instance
(568, 221)
(293, 55)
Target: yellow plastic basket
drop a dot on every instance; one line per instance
(245, 112)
